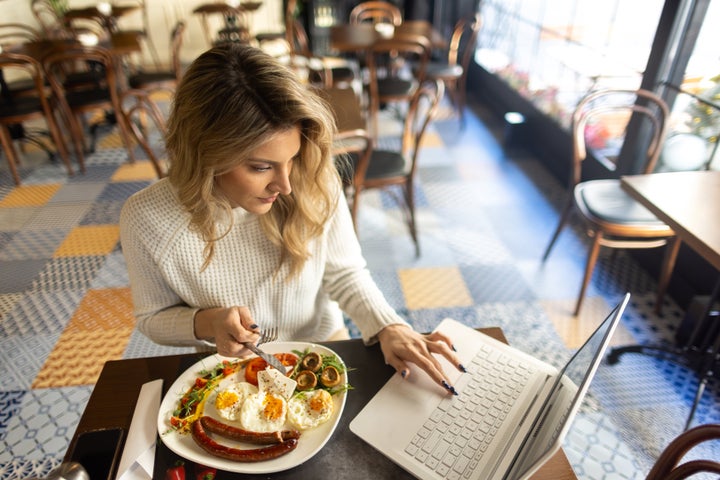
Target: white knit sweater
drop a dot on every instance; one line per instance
(164, 258)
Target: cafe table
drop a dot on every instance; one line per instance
(349, 38)
(689, 202)
(344, 456)
(108, 16)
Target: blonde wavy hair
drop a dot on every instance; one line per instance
(232, 100)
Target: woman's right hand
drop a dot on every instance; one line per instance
(229, 328)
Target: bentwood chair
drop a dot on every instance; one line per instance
(137, 107)
(396, 168)
(166, 79)
(612, 218)
(670, 465)
(16, 110)
(391, 81)
(376, 12)
(454, 70)
(99, 96)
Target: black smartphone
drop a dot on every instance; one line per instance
(98, 451)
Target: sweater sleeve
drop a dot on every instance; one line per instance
(161, 314)
(348, 281)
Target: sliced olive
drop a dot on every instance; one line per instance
(306, 380)
(312, 361)
(330, 377)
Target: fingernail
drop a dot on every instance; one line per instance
(403, 373)
(453, 348)
(254, 326)
(449, 388)
(462, 368)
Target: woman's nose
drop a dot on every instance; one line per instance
(281, 183)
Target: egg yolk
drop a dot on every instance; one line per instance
(318, 403)
(272, 407)
(226, 399)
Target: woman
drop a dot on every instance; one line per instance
(250, 229)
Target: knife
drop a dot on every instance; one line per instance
(270, 359)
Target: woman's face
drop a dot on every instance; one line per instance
(256, 183)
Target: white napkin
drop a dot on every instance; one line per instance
(138, 458)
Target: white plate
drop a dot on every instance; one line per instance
(311, 441)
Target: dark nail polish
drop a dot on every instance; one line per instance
(254, 326)
(462, 368)
(454, 392)
(403, 373)
(453, 348)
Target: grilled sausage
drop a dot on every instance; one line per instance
(237, 454)
(214, 426)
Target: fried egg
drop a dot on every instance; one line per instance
(263, 412)
(229, 401)
(310, 409)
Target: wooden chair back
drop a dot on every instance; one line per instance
(16, 110)
(376, 12)
(670, 465)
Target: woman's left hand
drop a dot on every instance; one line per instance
(401, 345)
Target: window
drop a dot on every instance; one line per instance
(554, 51)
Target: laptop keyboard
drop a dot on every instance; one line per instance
(454, 439)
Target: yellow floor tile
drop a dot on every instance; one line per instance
(78, 357)
(30, 195)
(575, 330)
(89, 240)
(112, 140)
(138, 171)
(431, 139)
(434, 288)
(103, 309)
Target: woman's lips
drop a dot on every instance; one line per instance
(269, 199)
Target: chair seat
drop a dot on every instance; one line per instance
(608, 201)
(392, 87)
(146, 78)
(82, 98)
(443, 71)
(386, 164)
(20, 106)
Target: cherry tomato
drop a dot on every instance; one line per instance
(203, 472)
(252, 368)
(177, 472)
(287, 359)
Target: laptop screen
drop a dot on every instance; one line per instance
(565, 397)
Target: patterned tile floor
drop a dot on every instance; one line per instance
(485, 215)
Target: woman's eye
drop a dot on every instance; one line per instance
(259, 168)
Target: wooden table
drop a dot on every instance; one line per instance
(108, 19)
(689, 202)
(358, 37)
(345, 456)
(119, 45)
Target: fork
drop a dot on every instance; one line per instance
(269, 335)
(266, 336)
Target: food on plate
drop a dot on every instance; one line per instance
(273, 381)
(306, 380)
(263, 412)
(330, 376)
(328, 371)
(192, 403)
(310, 409)
(229, 401)
(259, 438)
(241, 455)
(311, 361)
(257, 364)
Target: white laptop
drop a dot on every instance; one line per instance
(510, 416)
